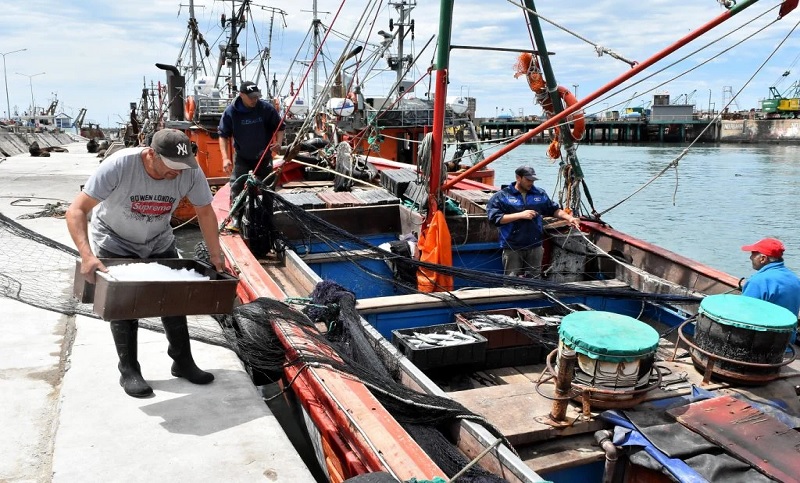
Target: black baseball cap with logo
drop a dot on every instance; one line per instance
(251, 89)
(174, 148)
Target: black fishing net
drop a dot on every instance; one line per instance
(315, 229)
(40, 272)
(36, 270)
(251, 335)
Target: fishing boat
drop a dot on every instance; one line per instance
(382, 124)
(199, 87)
(381, 301)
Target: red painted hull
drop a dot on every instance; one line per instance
(357, 434)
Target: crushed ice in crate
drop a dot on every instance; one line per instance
(152, 271)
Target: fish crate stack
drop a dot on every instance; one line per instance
(443, 345)
(396, 181)
(568, 259)
(507, 345)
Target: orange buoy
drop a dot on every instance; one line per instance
(578, 120)
(189, 107)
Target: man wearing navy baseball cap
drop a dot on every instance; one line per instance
(517, 211)
(257, 131)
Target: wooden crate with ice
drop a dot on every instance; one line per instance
(136, 288)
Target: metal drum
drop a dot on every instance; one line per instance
(615, 353)
(739, 328)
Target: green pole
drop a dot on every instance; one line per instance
(552, 89)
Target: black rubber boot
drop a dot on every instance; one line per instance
(178, 336)
(125, 333)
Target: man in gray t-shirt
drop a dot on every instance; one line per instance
(132, 196)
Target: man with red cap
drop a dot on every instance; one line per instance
(772, 282)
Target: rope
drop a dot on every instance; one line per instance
(597, 47)
(475, 460)
(674, 162)
(645, 275)
(690, 54)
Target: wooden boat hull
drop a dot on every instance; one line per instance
(353, 431)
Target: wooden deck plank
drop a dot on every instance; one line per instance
(562, 453)
(508, 375)
(514, 409)
(339, 200)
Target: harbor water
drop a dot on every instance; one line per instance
(720, 197)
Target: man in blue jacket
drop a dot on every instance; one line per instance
(517, 210)
(257, 132)
(772, 282)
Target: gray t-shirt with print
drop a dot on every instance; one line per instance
(135, 210)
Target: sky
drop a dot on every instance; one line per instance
(99, 54)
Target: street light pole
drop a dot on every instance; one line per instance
(5, 78)
(33, 105)
(575, 86)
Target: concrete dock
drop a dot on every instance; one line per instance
(64, 416)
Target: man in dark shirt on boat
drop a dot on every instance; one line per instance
(772, 282)
(517, 211)
(257, 132)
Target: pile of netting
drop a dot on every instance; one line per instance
(40, 272)
(251, 335)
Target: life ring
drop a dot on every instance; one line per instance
(189, 107)
(577, 118)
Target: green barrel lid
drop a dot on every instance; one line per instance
(607, 336)
(747, 313)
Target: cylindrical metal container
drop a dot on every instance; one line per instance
(615, 352)
(742, 329)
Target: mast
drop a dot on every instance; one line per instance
(440, 95)
(636, 69)
(193, 23)
(404, 26)
(314, 66)
(229, 53)
(555, 98)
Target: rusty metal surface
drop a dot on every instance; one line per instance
(757, 438)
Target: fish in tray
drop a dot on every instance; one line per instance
(494, 321)
(419, 340)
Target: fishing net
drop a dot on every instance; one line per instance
(40, 272)
(314, 229)
(251, 335)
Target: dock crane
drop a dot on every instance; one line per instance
(782, 105)
(79, 119)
